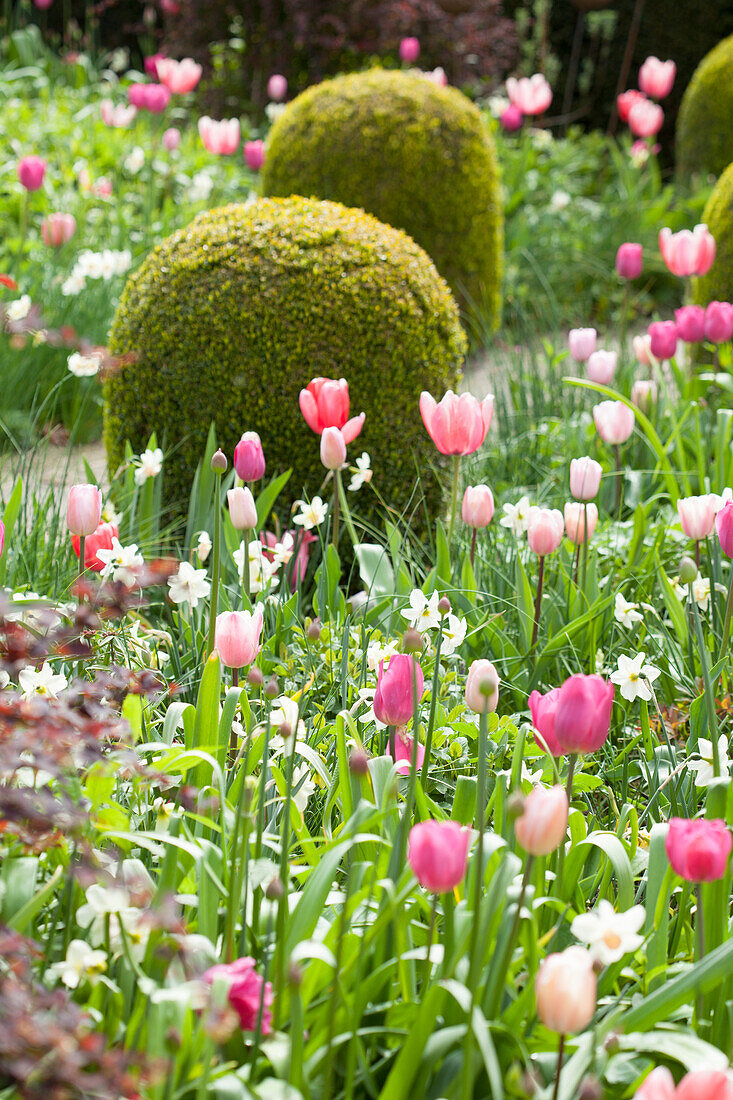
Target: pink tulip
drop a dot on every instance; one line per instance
(689, 252)
(2, 536)
(644, 394)
(393, 699)
(248, 993)
(545, 527)
(719, 322)
(254, 154)
(170, 7)
(333, 448)
(643, 349)
(478, 506)
(582, 343)
(697, 515)
(438, 854)
(724, 527)
(249, 458)
(151, 64)
(242, 509)
(277, 87)
(118, 115)
(659, 1085)
(511, 119)
(583, 713)
(705, 1084)
(601, 366)
(102, 188)
(31, 171)
(149, 97)
(237, 637)
(403, 750)
(409, 50)
(663, 339)
(565, 988)
(84, 509)
(614, 422)
(437, 76)
(576, 515)
(629, 260)
(102, 539)
(698, 850)
(542, 826)
(456, 425)
(645, 118)
(222, 137)
(324, 403)
(298, 566)
(657, 77)
(171, 139)
(626, 101)
(543, 709)
(531, 94)
(58, 229)
(43, 5)
(482, 687)
(179, 77)
(690, 323)
(585, 478)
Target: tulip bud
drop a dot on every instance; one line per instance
(582, 343)
(697, 515)
(399, 683)
(255, 677)
(254, 154)
(614, 422)
(358, 762)
(629, 260)
(249, 459)
(242, 509)
(590, 1088)
(275, 889)
(285, 730)
(412, 641)
(478, 506)
(585, 478)
(333, 449)
(644, 394)
(219, 462)
(272, 688)
(314, 630)
(565, 988)
(237, 637)
(663, 339)
(544, 821)
(688, 570)
(444, 605)
(84, 510)
(438, 854)
(514, 806)
(482, 687)
(601, 366)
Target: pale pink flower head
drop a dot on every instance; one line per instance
(657, 77)
(31, 171)
(531, 94)
(248, 993)
(644, 393)
(482, 687)
(456, 424)
(645, 118)
(171, 139)
(333, 448)
(151, 64)
(705, 1084)
(643, 349)
(545, 527)
(179, 77)
(277, 87)
(242, 508)
(117, 115)
(84, 509)
(58, 229)
(409, 50)
(659, 1085)
(689, 252)
(437, 76)
(626, 101)
(478, 506)
(698, 850)
(583, 713)
(585, 477)
(582, 343)
(601, 366)
(614, 422)
(324, 403)
(393, 699)
(102, 187)
(237, 637)
(543, 823)
(221, 138)
(254, 154)
(565, 988)
(576, 516)
(438, 854)
(697, 515)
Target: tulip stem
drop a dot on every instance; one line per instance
(433, 703)
(617, 507)
(726, 622)
(708, 689)
(584, 545)
(571, 772)
(431, 929)
(478, 889)
(336, 504)
(454, 496)
(700, 922)
(246, 583)
(506, 961)
(560, 1051)
(538, 603)
(215, 563)
(82, 559)
(473, 545)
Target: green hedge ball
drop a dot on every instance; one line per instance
(717, 285)
(705, 122)
(415, 155)
(232, 316)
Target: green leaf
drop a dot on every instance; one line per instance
(375, 569)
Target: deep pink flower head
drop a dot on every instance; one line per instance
(170, 7)
(585, 477)
(645, 118)
(254, 154)
(84, 509)
(237, 637)
(657, 77)
(297, 567)
(689, 252)
(393, 699)
(409, 50)
(277, 87)
(697, 515)
(542, 826)
(324, 403)
(583, 713)
(719, 322)
(438, 854)
(43, 5)
(478, 506)
(629, 260)
(31, 171)
(171, 138)
(456, 425)
(179, 77)
(102, 539)
(221, 137)
(511, 119)
(403, 753)
(724, 527)
(149, 97)
(601, 366)
(249, 458)
(151, 64)
(614, 422)
(116, 115)
(58, 229)
(663, 339)
(698, 850)
(626, 101)
(545, 528)
(2, 536)
(531, 94)
(582, 343)
(247, 991)
(690, 322)
(543, 709)
(576, 515)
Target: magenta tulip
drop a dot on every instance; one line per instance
(698, 850)
(84, 509)
(393, 699)
(149, 97)
(31, 171)
(690, 324)
(545, 528)
(531, 94)
(543, 823)
(403, 752)
(689, 252)
(583, 713)
(151, 64)
(248, 994)
(237, 637)
(249, 458)
(478, 506)
(438, 854)
(254, 154)
(724, 527)
(324, 403)
(719, 322)
(511, 119)
(614, 422)
(2, 536)
(409, 50)
(543, 709)
(585, 477)
(456, 425)
(663, 339)
(629, 260)
(657, 77)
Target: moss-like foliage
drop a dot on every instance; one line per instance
(717, 285)
(705, 122)
(230, 317)
(415, 155)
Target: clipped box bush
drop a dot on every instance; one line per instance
(230, 317)
(705, 121)
(415, 155)
(717, 285)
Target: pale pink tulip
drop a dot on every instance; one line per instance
(456, 425)
(601, 366)
(542, 826)
(237, 637)
(222, 137)
(545, 527)
(643, 349)
(565, 988)
(179, 77)
(84, 509)
(119, 115)
(585, 477)
(576, 515)
(582, 343)
(689, 252)
(531, 94)
(242, 508)
(482, 687)
(697, 515)
(171, 139)
(478, 506)
(614, 422)
(644, 394)
(58, 229)
(333, 448)
(277, 87)
(645, 118)
(657, 77)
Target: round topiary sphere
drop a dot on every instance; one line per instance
(230, 317)
(705, 122)
(415, 155)
(717, 285)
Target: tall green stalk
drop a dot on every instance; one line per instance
(454, 496)
(216, 549)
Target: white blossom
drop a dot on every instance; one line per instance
(203, 546)
(310, 515)
(84, 366)
(121, 563)
(42, 681)
(634, 677)
(189, 585)
(626, 613)
(516, 516)
(82, 963)
(610, 935)
(422, 613)
(363, 473)
(19, 309)
(150, 464)
(454, 631)
(705, 771)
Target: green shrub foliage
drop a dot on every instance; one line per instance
(415, 155)
(230, 317)
(705, 121)
(717, 285)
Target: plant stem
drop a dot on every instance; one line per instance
(336, 504)
(707, 685)
(215, 563)
(726, 622)
(82, 559)
(538, 603)
(617, 506)
(571, 772)
(431, 930)
(478, 889)
(473, 545)
(509, 949)
(700, 923)
(454, 496)
(433, 704)
(560, 1050)
(246, 583)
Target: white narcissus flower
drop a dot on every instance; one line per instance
(150, 465)
(121, 563)
(454, 631)
(516, 516)
(82, 963)
(311, 514)
(111, 907)
(261, 569)
(700, 591)
(610, 935)
(42, 681)
(704, 766)
(19, 309)
(135, 159)
(203, 546)
(634, 677)
(378, 651)
(189, 585)
(84, 366)
(626, 613)
(362, 474)
(303, 786)
(422, 613)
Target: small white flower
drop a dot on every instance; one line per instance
(123, 261)
(626, 613)
(189, 585)
(283, 551)
(201, 187)
(4, 680)
(516, 516)
(497, 104)
(274, 110)
(135, 160)
(90, 265)
(704, 766)
(610, 935)
(82, 963)
(150, 465)
(261, 569)
(303, 786)
(454, 631)
(560, 199)
(310, 515)
(19, 309)
(203, 546)
(700, 591)
(43, 681)
(84, 366)
(376, 652)
(363, 473)
(634, 677)
(422, 613)
(73, 285)
(121, 563)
